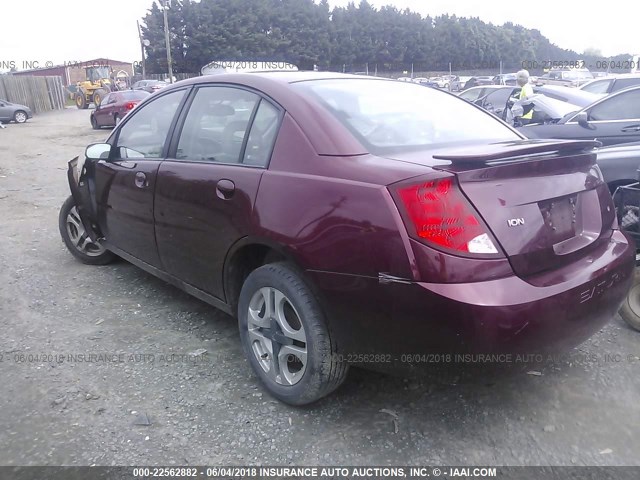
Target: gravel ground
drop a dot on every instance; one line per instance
(153, 398)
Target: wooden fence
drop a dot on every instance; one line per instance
(40, 94)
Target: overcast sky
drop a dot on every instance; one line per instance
(71, 30)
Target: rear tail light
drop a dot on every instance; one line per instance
(442, 217)
(130, 105)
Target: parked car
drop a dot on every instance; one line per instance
(495, 98)
(14, 112)
(350, 217)
(441, 82)
(619, 164)
(149, 86)
(612, 84)
(477, 81)
(114, 106)
(574, 96)
(612, 120)
(405, 79)
(572, 77)
(510, 79)
(427, 82)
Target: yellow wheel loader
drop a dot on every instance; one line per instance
(94, 88)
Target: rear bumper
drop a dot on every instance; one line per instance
(548, 313)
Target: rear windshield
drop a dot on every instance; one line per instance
(387, 115)
(130, 95)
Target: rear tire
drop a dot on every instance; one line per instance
(76, 239)
(116, 120)
(285, 337)
(630, 310)
(20, 116)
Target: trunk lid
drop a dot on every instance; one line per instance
(544, 201)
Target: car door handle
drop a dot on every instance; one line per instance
(631, 128)
(225, 189)
(141, 180)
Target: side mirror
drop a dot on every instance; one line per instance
(583, 119)
(98, 151)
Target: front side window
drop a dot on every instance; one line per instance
(625, 106)
(386, 115)
(145, 133)
(215, 127)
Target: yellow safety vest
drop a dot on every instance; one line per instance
(523, 94)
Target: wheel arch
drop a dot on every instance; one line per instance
(245, 256)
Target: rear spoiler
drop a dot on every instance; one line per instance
(479, 154)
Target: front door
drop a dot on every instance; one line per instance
(206, 191)
(125, 184)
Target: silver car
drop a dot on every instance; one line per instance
(13, 112)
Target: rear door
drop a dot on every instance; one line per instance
(206, 190)
(125, 184)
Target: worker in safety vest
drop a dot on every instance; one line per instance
(526, 90)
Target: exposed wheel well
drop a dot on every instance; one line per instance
(242, 263)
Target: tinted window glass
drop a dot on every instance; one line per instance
(262, 135)
(471, 95)
(216, 125)
(386, 115)
(600, 86)
(622, 83)
(620, 107)
(130, 95)
(145, 133)
(106, 99)
(498, 99)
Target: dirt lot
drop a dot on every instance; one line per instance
(146, 400)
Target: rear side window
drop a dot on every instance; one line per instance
(216, 125)
(262, 136)
(145, 133)
(129, 95)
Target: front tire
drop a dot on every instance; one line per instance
(285, 337)
(94, 123)
(630, 310)
(76, 239)
(81, 101)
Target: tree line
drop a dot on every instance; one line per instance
(308, 33)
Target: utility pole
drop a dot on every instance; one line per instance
(142, 44)
(165, 7)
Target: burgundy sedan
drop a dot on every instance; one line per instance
(114, 106)
(349, 220)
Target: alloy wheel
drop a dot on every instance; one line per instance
(277, 337)
(20, 117)
(79, 236)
